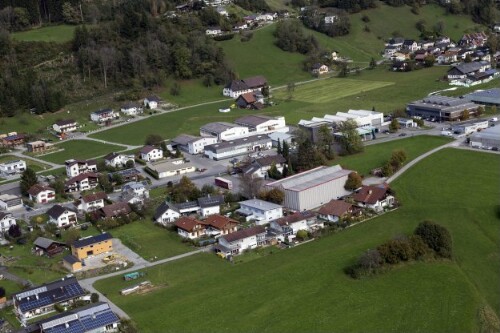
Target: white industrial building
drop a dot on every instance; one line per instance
(173, 167)
(223, 131)
(471, 127)
(192, 144)
(258, 124)
(489, 137)
(259, 210)
(238, 147)
(364, 118)
(312, 188)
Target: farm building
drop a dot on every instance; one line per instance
(312, 188)
(46, 246)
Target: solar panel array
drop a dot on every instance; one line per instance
(52, 296)
(90, 321)
(31, 292)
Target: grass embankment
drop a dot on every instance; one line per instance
(58, 34)
(263, 294)
(80, 149)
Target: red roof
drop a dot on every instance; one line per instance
(244, 233)
(218, 221)
(94, 197)
(81, 177)
(296, 217)
(370, 194)
(187, 223)
(147, 149)
(249, 98)
(335, 208)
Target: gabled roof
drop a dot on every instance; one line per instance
(94, 197)
(335, 208)
(111, 156)
(163, 208)
(102, 111)
(92, 240)
(81, 177)
(296, 217)
(37, 188)
(211, 201)
(130, 105)
(269, 160)
(153, 98)
(57, 210)
(65, 122)
(467, 68)
(218, 221)
(370, 194)
(147, 149)
(4, 214)
(252, 120)
(45, 243)
(184, 139)
(187, 223)
(244, 233)
(116, 209)
(255, 81)
(249, 97)
(237, 85)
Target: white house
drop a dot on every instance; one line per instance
(319, 69)
(150, 153)
(259, 167)
(77, 167)
(241, 26)
(10, 202)
(291, 224)
(188, 227)
(266, 17)
(330, 19)
(131, 109)
(61, 216)
(166, 213)
(41, 194)
(134, 193)
(241, 240)
(259, 210)
(223, 131)
(192, 144)
(213, 31)
(91, 202)
(103, 115)
(65, 126)
(374, 197)
(222, 11)
(6, 220)
(12, 167)
(117, 160)
(152, 102)
(210, 205)
(171, 167)
(82, 182)
(258, 124)
(236, 88)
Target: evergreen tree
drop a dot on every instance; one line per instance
(285, 150)
(28, 179)
(279, 147)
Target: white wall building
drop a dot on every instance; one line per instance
(12, 167)
(193, 144)
(258, 124)
(312, 188)
(166, 213)
(171, 167)
(77, 167)
(6, 220)
(238, 147)
(117, 160)
(150, 153)
(10, 202)
(41, 194)
(131, 109)
(223, 131)
(259, 210)
(61, 216)
(241, 240)
(91, 202)
(65, 126)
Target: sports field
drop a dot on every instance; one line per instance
(58, 34)
(328, 90)
(305, 289)
(80, 149)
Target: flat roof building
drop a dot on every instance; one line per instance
(489, 137)
(485, 97)
(223, 131)
(237, 147)
(441, 108)
(312, 188)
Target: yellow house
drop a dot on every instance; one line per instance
(71, 263)
(91, 246)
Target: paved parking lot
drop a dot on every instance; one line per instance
(121, 252)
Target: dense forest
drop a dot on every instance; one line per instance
(136, 49)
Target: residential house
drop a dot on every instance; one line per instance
(9, 202)
(410, 45)
(103, 115)
(127, 175)
(131, 109)
(92, 246)
(203, 206)
(114, 210)
(251, 100)
(213, 31)
(261, 211)
(336, 210)
(237, 87)
(464, 70)
(41, 194)
(259, 167)
(400, 66)
(152, 102)
(291, 224)
(448, 57)
(331, 19)
(241, 240)
(91, 202)
(425, 44)
(45, 246)
(65, 126)
(166, 213)
(223, 131)
(473, 40)
(134, 193)
(36, 146)
(319, 69)
(420, 55)
(117, 160)
(41, 300)
(192, 144)
(266, 17)
(62, 216)
(171, 167)
(82, 182)
(92, 318)
(259, 124)
(218, 225)
(240, 26)
(189, 227)
(13, 140)
(150, 153)
(374, 197)
(6, 221)
(390, 50)
(237, 147)
(395, 42)
(77, 167)
(12, 167)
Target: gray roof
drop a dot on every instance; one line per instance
(44, 243)
(467, 67)
(165, 206)
(252, 120)
(168, 165)
(92, 240)
(311, 178)
(443, 103)
(184, 139)
(57, 210)
(230, 145)
(490, 96)
(259, 204)
(211, 201)
(217, 127)
(491, 133)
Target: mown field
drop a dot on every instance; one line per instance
(58, 34)
(80, 149)
(376, 155)
(150, 241)
(305, 289)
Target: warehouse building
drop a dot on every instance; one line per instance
(485, 97)
(258, 124)
(470, 127)
(223, 131)
(440, 108)
(238, 147)
(489, 137)
(312, 188)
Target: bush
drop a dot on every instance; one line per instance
(436, 237)
(224, 37)
(2, 292)
(302, 234)
(94, 297)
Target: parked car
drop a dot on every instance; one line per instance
(402, 134)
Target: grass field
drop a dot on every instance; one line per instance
(36, 166)
(376, 155)
(305, 289)
(58, 34)
(80, 149)
(329, 90)
(150, 241)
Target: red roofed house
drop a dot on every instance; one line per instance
(218, 225)
(91, 202)
(82, 182)
(291, 224)
(188, 227)
(115, 210)
(335, 210)
(241, 240)
(251, 100)
(374, 197)
(41, 194)
(150, 153)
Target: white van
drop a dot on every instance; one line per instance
(494, 119)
